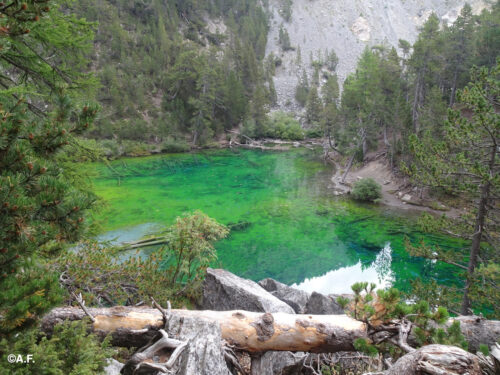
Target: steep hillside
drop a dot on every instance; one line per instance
(345, 27)
(176, 71)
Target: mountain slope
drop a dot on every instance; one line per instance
(346, 27)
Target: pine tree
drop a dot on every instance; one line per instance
(302, 89)
(330, 90)
(361, 100)
(487, 37)
(459, 50)
(284, 39)
(259, 109)
(314, 106)
(425, 64)
(330, 115)
(465, 162)
(39, 208)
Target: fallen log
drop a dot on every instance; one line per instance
(244, 330)
(436, 360)
(251, 331)
(203, 341)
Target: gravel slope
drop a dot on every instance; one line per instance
(347, 27)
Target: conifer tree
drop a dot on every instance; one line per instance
(39, 208)
(459, 47)
(425, 64)
(465, 162)
(284, 39)
(302, 89)
(361, 100)
(314, 106)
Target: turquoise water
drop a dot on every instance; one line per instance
(290, 226)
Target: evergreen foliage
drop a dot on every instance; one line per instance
(464, 161)
(302, 89)
(40, 209)
(166, 75)
(380, 307)
(441, 131)
(283, 126)
(71, 350)
(284, 39)
(314, 106)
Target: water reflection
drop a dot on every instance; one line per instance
(339, 281)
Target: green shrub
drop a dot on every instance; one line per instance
(174, 272)
(281, 125)
(175, 146)
(314, 132)
(484, 349)
(111, 148)
(71, 350)
(134, 148)
(367, 190)
(342, 301)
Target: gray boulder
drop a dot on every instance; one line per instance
(282, 363)
(224, 291)
(295, 298)
(320, 304)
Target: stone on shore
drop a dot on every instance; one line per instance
(295, 298)
(224, 291)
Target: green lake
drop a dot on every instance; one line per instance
(293, 228)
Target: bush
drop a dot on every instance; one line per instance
(283, 126)
(134, 148)
(314, 132)
(174, 272)
(367, 190)
(71, 350)
(175, 146)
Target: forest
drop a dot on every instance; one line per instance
(83, 83)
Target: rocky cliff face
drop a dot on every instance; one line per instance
(346, 27)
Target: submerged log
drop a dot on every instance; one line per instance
(244, 330)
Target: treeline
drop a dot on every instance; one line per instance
(170, 72)
(391, 96)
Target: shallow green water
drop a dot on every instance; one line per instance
(295, 229)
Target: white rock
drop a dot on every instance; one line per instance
(361, 29)
(406, 198)
(113, 368)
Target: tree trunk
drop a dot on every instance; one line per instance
(365, 148)
(475, 247)
(454, 87)
(416, 101)
(386, 140)
(482, 211)
(249, 331)
(348, 168)
(436, 360)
